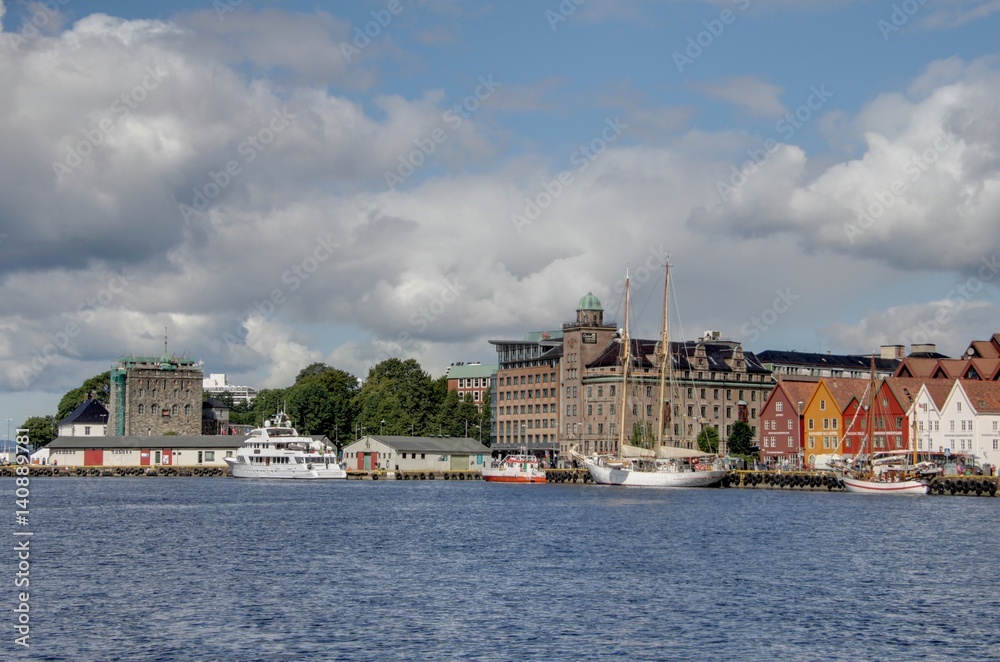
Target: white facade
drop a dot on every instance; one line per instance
(83, 430)
(928, 435)
(958, 423)
(217, 384)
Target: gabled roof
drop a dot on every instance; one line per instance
(681, 355)
(428, 444)
(844, 390)
(90, 411)
(904, 389)
(796, 391)
(938, 390)
(983, 396)
(985, 369)
(916, 367)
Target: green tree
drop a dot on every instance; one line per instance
(485, 417)
(740, 439)
(708, 439)
(642, 434)
(312, 370)
(98, 385)
(311, 408)
(400, 393)
(342, 389)
(449, 418)
(41, 430)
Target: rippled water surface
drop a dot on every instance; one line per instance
(229, 569)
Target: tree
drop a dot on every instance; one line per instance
(642, 434)
(98, 385)
(708, 439)
(41, 430)
(400, 393)
(740, 439)
(312, 370)
(311, 408)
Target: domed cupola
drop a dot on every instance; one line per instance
(589, 311)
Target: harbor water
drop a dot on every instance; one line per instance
(187, 568)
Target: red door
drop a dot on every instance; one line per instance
(375, 460)
(93, 457)
(168, 456)
(361, 461)
(144, 457)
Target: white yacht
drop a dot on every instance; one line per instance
(276, 450)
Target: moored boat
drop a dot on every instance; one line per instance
(524, 468)
(276, 450)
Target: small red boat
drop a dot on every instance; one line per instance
(515, 469)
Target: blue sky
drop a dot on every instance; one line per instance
(325, 241)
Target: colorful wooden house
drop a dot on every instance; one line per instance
(781, 418)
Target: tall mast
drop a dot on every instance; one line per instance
(664, 356)
(871, 422)
(626, 358)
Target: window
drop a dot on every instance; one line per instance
(834, 423)
(822, 405)
(600, 391)
(958, 406)
(811, 425)
(789, 424)
(142, 409)
(187, 410)
(590, 410)
(779, 406)
(86, 429)
(826, 423)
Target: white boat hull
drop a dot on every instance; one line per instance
(604, 475)
(913, 487)
(513, 475)
(242, 470)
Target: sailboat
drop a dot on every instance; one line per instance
(641, 467)
(884, 472)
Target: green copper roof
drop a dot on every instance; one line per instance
(590, 302)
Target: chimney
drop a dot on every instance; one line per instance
(893, 351)
(923, 348)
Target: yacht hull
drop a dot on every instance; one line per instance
(240, 470)
(911, 487)
(604, 475)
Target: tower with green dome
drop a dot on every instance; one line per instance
(589, 311)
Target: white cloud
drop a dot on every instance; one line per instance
(754, 96)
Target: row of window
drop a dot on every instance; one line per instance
(531, 409)
(771, 424)
(772, 442)
(473, 382)
(527, 424)
(173, 411)
(543, 378)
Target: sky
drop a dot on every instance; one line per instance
(273, 184)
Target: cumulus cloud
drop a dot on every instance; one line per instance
(160, 174)
(929, 169)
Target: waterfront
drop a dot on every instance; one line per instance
(226, 569)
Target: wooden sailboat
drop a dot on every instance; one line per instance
(642, 470)
(887, 472)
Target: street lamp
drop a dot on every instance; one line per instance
(380, 426)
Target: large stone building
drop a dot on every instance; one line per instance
(558, 392)
(155, 396)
